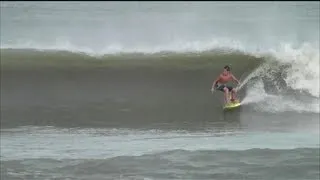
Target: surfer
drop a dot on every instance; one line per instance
(220, 84)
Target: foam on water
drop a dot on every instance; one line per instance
(302, 75)
(33, 142)
(304, 71)
(276, 103)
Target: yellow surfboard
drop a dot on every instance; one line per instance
(232, 104)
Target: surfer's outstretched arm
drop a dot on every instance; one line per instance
(235, 79)
(215, 82)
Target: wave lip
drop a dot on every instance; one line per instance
(224, 44)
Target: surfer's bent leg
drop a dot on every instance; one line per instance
(226, 94)
(233, 94)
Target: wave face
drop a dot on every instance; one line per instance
(269, 83)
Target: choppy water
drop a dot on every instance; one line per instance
(111, 90)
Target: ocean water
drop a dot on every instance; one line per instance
(121, 90)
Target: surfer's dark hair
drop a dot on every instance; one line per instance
(226, 67)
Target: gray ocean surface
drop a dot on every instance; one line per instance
(121, 90)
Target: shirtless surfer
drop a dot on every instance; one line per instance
(220, 84)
